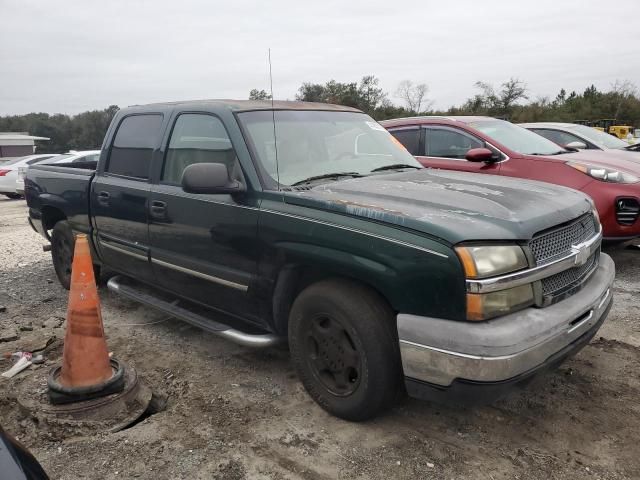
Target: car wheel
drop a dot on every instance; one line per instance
(343, 346)
(13, 196)
(62, 245)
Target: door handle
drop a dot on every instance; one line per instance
(103, 198)
(158, 209)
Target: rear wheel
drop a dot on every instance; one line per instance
(344, 349)
(62, 245)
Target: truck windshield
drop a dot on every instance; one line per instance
(603, 140)
(517, 138)
(311, 143)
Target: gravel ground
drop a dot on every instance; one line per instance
(235, 413)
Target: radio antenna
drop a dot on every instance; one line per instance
(273, 118)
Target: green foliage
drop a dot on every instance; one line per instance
(365, 95)
(84, 131)
(256, 94)
(620, 103)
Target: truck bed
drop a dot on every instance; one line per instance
(64, 188)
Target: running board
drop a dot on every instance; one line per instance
(249, 340)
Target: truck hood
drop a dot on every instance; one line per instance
(452, 206)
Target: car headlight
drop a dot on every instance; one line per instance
(484, 261)
(604, 174)
(594, 212)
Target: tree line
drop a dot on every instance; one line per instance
(84, 131)
(510, 100)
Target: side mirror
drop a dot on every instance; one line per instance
(209, 178)
(480, 155)
(576, 145)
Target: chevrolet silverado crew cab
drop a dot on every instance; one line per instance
(308, 222)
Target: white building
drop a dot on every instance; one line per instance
(17, 144)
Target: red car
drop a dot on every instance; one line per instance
(489, 145)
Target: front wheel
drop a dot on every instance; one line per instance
(344, 349)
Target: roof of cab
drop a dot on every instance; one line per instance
(248, 105)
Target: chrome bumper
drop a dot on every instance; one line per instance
(440, 351)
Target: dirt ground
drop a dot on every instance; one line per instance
(236, 413)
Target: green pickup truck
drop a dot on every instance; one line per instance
(308, 223)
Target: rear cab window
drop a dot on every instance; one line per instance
(133, 145)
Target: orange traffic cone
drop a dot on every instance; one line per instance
(85, 358)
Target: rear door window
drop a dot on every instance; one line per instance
(196, 138)
(410, 138)
(449, 143)
(133, 146)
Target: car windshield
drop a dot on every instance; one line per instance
(517, 138)
(317, 143)
(603, 140)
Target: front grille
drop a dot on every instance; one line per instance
(556, 243)
(560, 284)
(627, 211)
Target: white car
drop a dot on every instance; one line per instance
(9, 172)
(69, 157)
(74, 156)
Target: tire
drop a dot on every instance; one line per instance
(62, 245)
(343, 346)
(13, 196)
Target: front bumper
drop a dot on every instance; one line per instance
(440, 354)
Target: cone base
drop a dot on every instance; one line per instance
(109, 413)
(61, 394)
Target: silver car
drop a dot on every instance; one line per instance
(573, 135)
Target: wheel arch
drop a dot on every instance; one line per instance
(51, 216)
(295, 277)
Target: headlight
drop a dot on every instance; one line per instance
(483, 261)
(491, 260)
(483, 306)
(594, 212)
(604, 174)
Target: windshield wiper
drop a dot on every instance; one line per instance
(395, 166)
(326, 176)
(559, 152)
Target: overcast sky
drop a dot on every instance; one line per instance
(71, 56)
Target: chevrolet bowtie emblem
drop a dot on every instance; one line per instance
(582, 253)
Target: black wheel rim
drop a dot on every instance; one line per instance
(333, 356)
(62, 252)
